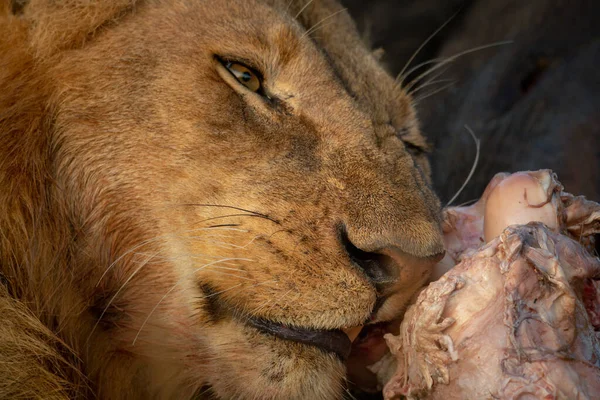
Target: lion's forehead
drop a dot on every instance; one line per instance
(297, 42)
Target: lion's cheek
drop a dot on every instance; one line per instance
(274, 276)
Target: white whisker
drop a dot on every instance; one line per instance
(433, 92)
(320, 23)
(155, 239)
(477, 145)
(432, 83)
(289, 4)
(263, 305)
(226, 274)
(116, 294)
(469, 202)
(280, 298)
(451, 59)
(225, 244)
(303, 8)
(229, 269)
(401, 76)
(196, 256)
(424, 63)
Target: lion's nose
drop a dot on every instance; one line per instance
(388, 264)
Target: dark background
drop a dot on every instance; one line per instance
(533, 103)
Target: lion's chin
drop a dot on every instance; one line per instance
(258, 359)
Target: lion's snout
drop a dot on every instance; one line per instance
(394, 238)
(395, 274)
(382, 266)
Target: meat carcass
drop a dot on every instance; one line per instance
(518, 316)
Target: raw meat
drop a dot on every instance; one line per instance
(519, 316)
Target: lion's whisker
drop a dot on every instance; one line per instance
(155, 239)
(320, 23)
(269, 301)
(224, 244)
(477, 148)
(289, 4)
(416, 67)
(263, 305)
(229, 269)
(279, 298)
(250, 212)
(250, 242)
(468, 202)
(239, 215)
(452, 58)
(272, 302)
(216, 235)
(181, 256)
(115, 296)
(230, 263)
(303, 8)
(433, 92)
(430, 81)
(226, 274)
(444, 61)
(191, 257)
(400, 77)
(448, 83)
(221, 291)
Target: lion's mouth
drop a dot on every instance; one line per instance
(335, 341)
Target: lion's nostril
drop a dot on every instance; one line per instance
(378, 267)
(389, 264)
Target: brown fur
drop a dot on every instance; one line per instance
(149, 203)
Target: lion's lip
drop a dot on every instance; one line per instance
(333, 341)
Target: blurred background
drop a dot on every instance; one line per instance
(528, 85)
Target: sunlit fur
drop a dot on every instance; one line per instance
(149, 203)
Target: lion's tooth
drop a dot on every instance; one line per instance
(353, 332)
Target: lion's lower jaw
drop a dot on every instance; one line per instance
(227, 361)
(229, 378)
(245, 364)
(239, 380)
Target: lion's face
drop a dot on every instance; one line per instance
(237, 179)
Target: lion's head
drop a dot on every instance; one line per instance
(197, 196)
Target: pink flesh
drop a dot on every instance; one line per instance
(518, 317)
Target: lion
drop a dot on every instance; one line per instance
(198, 198)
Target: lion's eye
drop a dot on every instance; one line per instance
(244, 75)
